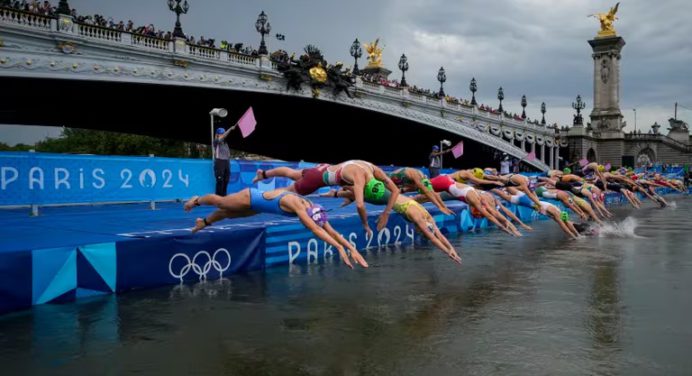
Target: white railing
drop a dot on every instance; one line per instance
(25, 18)
(102, 33)
(204, 52)
(371, 86)
(243, 59)
(150, 42)
(393, 90)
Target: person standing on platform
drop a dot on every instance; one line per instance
(436, 160)
(222, 156)
(505, 165)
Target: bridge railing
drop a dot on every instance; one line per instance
(27, 19)
(659, 137)
(98, 32)
(152, 42)
(204, 52)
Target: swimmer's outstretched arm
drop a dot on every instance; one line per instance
(322, 234)
(355, 255)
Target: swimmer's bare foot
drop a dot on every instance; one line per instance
(260, 175)
(199, 224)
(191, 203)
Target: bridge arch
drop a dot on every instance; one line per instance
(645, 156)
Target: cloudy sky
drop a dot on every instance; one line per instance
(534, 47)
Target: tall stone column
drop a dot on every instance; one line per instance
(606, 118)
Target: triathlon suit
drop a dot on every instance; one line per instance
(260, 204)
(611, 186)
(444, 183)
(546, 205)
(400, 178)
(510, 183)
(401, 209)
(545, 193)
(486, 187)
(522, 199)
(335, 177)
(311, 180)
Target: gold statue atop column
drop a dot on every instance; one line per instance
(606, 19)
(374, 54)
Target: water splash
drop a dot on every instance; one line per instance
(673, 205)
(623, 229)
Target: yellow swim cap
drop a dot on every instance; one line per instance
(478, 173)
(601, 168)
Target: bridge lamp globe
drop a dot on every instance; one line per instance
(220, 112)
(446, 143)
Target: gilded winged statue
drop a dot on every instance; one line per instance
(374, 53)
(607, 20)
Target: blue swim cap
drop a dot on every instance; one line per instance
(220, 131)
(436, 148)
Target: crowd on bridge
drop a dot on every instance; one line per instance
(37, 7)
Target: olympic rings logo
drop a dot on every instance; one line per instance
(200, 269)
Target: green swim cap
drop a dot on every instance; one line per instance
(374, 190)
(564, 216)
(540, 190)
(567, 170)
(427, 184)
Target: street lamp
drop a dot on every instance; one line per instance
(523, 107)
(175, 6)
(543, 112)
(356, 52)
(635, 119)
(473, 87)
(63, 8)
(403, 65)
(442, 77)
(500, 96)
(444, 143)
(220, 112)
(578, 105)
(263, 27)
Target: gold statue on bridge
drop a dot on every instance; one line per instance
(374, 53)
(606, 19)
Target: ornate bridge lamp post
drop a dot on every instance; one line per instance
(543, 112)
(473, 87)
(403, 65)
(523, 107)
(442, 77)
(263, 27)
(356, 53)
(578, 105)
(500, 96)
(63, 8)
(175, 6)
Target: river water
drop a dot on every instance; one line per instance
(617, 303)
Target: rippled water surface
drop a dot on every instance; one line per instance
(619, 303)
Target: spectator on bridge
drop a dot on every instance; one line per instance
(436, 160)
(222, 156)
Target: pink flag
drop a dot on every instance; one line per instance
(458, 149)
(607, 167)
(583, 162)
(531, 156)
(247, 123)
